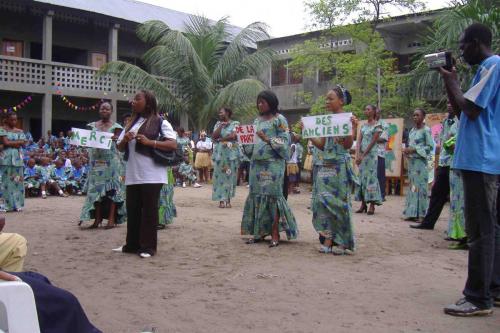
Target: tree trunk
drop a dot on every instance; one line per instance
(184, 120)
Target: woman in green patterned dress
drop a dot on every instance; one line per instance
(225, 158)
(332, 187)
(420, 145)
(166, 207)
(11, 165)
(368, 190)
(266, 210)
(105, 183)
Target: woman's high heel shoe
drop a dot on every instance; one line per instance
(363, 209)
(95, 225)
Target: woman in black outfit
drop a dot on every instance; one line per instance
(143, 177)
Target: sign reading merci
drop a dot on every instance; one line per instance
(327, 125)
(246, 134)
(93, 139)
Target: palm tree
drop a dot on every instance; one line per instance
(206, 66)
(444, 36)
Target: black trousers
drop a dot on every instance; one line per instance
(381, 175)
(439, 196)
(142, 218)
(482, 225)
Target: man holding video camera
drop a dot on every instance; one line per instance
(477, 155)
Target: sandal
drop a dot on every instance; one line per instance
(274, 243)
(228, 204)
(325, 249)
(94, 225)
(253, 241)
(339, 251)
(221, 204)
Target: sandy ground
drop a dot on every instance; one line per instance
(205, 279)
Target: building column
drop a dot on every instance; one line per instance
(113, 56)
(113, 42)
(47, 56)
(114, 105)
(47, 36)
(46, 114)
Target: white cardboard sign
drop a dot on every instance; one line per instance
(88, 138)
(327, 125)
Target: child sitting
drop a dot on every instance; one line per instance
(32, 178)
(77, 177)
(186, 171)
(46, 174)
(59, 174)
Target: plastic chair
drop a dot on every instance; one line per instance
(17, 308)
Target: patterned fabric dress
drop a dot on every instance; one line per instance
(267, 169)
(183, 142)
(331, 205)
(105, 179)
(225, 162)
(417, 199)
(11, 173)
(369, 186)
(32, 177)
(60, 176)
(166, 206)
(456, 222)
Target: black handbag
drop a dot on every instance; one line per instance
(167, 158)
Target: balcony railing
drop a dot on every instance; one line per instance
(38, 76)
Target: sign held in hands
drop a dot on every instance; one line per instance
(327, 125)
(246, 134)
(88, 138)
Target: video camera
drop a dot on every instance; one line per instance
(440, 59)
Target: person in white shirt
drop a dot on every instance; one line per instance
(203, 162)
(143, 177)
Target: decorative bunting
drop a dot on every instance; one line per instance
(74, 106)
(19, 106)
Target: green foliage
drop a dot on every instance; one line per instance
(357, 71)
(327, 14)
(361, 70)
(444, 35)
(206, 67)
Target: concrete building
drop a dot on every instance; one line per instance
(53, 48)
(402, 36)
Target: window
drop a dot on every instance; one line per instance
(278, 73)
(282, 75)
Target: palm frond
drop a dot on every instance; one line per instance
(238, 93)
(238, 49)
(126, 73)
(252, 64)
(176, 59)
(151, 32)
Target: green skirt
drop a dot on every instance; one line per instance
(105, 184)
(11, 187)
(417, 200)
(265, 202)
(224, 180)
(331, 206)
(166, 206)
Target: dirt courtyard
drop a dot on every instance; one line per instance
(206, 279)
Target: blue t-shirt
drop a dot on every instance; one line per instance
(478, 141)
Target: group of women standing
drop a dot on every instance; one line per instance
(267, 212)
